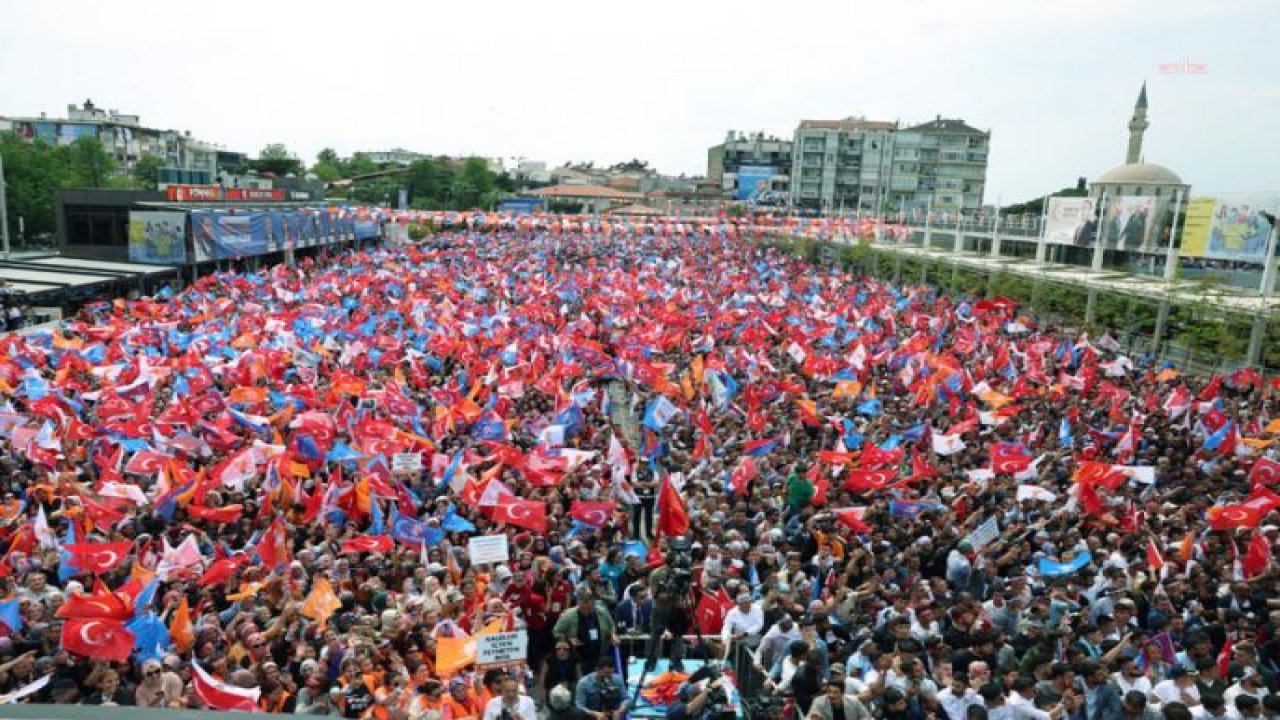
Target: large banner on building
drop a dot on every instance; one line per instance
(223, 236)
(1196, 227)
(1071, 221)
(1129, 222)
(158, 237)
(1237, 229)
(753, 181)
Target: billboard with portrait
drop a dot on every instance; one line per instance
(1240, 230)
(1128, 223)
(223, 236)
(753, 181)
(1070, 221)
(158, 237)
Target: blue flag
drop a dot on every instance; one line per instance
(659, 413)
(413, 532)
(1049, 568)
(10, 616)
(145, 596)
(453, 522)
(152, 637)
(341, 452)
(1064, 433)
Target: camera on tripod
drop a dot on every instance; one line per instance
(680, 564)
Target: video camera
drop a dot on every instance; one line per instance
(680, 566)
(718, 707)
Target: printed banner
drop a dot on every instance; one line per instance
(1071, 221)
(1129, 222)
(1196, 227)
(158, 237)
(753, 181)
(223, 236)
(503, 649)
(984, 534)
(1239, 229)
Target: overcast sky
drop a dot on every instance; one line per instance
(662, 81)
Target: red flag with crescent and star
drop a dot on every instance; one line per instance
(98, 639)
(596, 514)
(99, 558)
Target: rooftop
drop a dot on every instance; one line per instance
(848, 124)
(1141, 174)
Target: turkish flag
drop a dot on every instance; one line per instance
(673, 518)
(367, 544)
(101, 604)
(98, 639)
(218, 695)
(225, 514)
(147, 462)
(101, 515)
(99, 558)
(596, 514)
(874, 457)
(743, 474)
(528, 514)
(1265, 471)
(1009, 458)
(222, 569)
(1257, 557)
(1229, 517)
(868, 480)
(852, 519)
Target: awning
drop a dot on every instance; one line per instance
(44, 275)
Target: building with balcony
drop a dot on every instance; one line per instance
(864, 165)
(186, 160)
(751, 165)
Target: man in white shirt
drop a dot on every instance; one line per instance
(958, 696)
(511, 702)
(1180, 687)
(1131, 677)
(1249, 684)
(742, 625)
(1022, 704)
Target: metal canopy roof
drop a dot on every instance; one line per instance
(54, 273)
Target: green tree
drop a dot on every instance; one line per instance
(358, 165)
(430, 181)
(474, 186)
(33, 172)
(89, 163)
(146, 170)
(276, 159)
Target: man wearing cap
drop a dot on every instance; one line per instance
(742, 624)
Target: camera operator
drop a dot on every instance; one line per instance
(670, 585)
(695, 703)
(601, 695)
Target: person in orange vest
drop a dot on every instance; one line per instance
(430, 699)
(461, 703)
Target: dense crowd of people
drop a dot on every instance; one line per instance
(873, 501)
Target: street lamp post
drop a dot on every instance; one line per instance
(4, 212)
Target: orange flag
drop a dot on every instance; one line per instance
(847, 388)
(321, 602)
(453, 654)
(180, 629)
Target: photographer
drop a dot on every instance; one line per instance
(694, 703)
(670, 585)
(601, 695)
